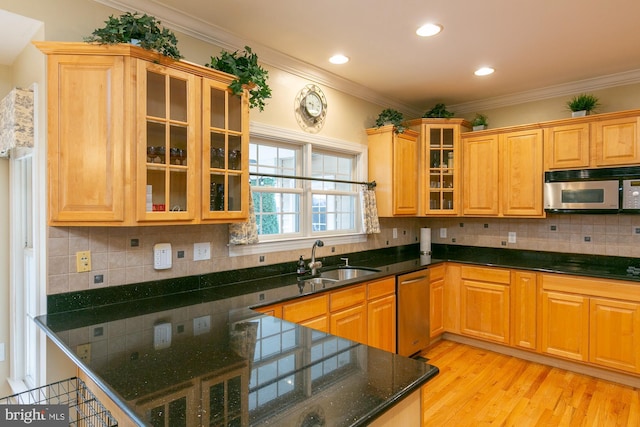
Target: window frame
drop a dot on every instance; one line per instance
(275, 134)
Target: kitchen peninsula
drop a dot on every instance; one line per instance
(208, 344)
(245, 367)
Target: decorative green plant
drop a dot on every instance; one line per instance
(439, 111)
(393, 117)
(479, 120)
(143, 28)
(582, 102)
(248, 72)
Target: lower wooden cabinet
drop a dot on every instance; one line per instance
(591, 320)
(436, 300)
(365, 313)
(350, 323)
(565, 325)
(311, 312)
(381, 314)
(614, 332)
(524, 309)
(484, 303)
(348, 313)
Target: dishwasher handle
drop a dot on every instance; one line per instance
(413, 280)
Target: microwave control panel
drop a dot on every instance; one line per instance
(631, 194)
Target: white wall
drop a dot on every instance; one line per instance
(5, 87)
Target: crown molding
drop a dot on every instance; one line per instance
(201, 30)
(587, 85)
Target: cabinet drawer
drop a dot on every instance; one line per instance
(437, 272)
(381, 288)
(494, 275)
(347, 297)
(305, 309)
(606, 288)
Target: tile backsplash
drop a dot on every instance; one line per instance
(615, 235)
(124, 255)
(117, 261)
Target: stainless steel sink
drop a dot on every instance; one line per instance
(315, 284)
(346, 273)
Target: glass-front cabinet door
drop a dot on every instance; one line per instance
(225, 143)
(166, 135)
(442, 170)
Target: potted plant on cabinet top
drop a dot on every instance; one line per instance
(142, 30)
(248, 72)
(479, 122)
(582, 105)
(389, 116)
(438, 111)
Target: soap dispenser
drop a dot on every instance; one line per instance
(301, 267)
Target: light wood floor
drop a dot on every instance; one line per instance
(477, 387)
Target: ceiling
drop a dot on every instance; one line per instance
(539, 49)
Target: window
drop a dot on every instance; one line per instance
(297, 210)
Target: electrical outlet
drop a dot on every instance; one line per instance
(395, 233)
(512, 237)
(201, 251)
(84, 352)
(83, 261)
(162, 336)
(201, 325)
(443, 233)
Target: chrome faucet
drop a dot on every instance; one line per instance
(314, 265)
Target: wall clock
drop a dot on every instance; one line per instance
(310, 108)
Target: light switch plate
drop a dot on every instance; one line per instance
(201, 251)
(443, 233)
(201, 325)
(511, 237)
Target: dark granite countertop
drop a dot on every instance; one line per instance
(271, 370)
(267, 370)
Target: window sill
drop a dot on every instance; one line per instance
(290, 245)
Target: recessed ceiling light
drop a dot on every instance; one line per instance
(484, 71)
(428, 30)
(339, 59)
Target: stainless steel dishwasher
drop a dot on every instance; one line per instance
(413, 312)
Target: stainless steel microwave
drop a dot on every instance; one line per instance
(605, 190)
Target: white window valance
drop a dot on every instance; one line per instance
(16, 120)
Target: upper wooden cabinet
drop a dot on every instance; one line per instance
(393, 165)
(440, 178)
(88, 138)
(137, 138)
(600, 140)
(480, 172)
(522, 173)
(503, 173)
(616, 141)
(567, 146)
